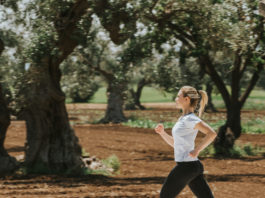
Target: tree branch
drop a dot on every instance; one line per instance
(251, 85)
(2, 46)
(205, 61)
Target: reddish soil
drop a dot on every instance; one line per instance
(145, 160)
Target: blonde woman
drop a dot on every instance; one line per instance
(188, 169)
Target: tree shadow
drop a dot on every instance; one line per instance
(256, 178)
(247, 159)
(16, 149)
(100, 180)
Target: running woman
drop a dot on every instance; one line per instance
(188, 169)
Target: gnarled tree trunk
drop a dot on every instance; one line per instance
(8, 164)
(136, 95)
(262, 7)
(52, 146)
(229, 132)
(209, 89)
(114, 112)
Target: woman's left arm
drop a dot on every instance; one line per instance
(210, 136)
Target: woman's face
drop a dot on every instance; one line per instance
(181, 101)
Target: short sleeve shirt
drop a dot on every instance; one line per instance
(184, 136)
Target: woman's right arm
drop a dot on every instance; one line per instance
(168, 138)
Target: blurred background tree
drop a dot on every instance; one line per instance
(9, 40)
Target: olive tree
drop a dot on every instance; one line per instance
(232, 28)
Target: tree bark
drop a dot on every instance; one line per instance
(209, 89)
(114, 112)
(136, 95)
(51, 145)
(8, 164)
(229, 132)
(262, 7)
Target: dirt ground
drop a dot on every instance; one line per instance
(145, 160)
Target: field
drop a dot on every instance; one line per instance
(145, 158)
(254, 102)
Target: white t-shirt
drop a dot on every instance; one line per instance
(184, 136)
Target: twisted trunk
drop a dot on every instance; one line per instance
(262, 7)
(135, 103)
(209, 89)
(231, 130)
(52, 146)
(114, 112)
(8, 164)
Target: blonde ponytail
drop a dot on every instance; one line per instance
(204, 101)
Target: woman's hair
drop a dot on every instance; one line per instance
(195, 96)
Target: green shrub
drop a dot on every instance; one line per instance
(84, 153)
(139, 123)
(112, 162)
(238, 150)
(254, 126)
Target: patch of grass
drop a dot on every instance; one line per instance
(141, 123)
(100, 96)
(149, 94)
(254, 126)
(112, 162)
(217, 124)
(84, 153)
(238, 150)
(255, 101)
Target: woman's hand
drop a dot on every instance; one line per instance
(194, 153)
(160, 129)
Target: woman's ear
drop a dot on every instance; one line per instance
(187, 99)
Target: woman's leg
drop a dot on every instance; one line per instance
(200, 187)
(178, 178)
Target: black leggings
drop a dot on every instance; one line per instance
(184, 173)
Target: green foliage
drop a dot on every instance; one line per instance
(9, 38)
(112, 162)
(254, 126)
(217, 124)
(78, 82)
(238, 150)
(84, 153)
(139, 123)
(13, 4)
(42, 44)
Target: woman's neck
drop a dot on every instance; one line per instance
(187, 111)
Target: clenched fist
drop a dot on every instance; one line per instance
(160, 129)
